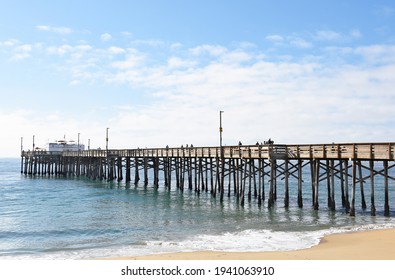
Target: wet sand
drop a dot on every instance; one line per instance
(367, 245)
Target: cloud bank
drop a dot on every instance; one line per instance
(333, 93)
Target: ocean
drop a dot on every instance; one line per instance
(46, 218)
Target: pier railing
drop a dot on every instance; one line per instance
(362, 151)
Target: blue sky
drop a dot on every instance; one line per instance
(157, 73)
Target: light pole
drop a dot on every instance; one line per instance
(106, 172)
(21, 155)
(107, 138)
(89, 144)
(78, 163)
(220, 129)
(33, 144)
(222, 158)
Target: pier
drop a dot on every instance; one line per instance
(250, 173)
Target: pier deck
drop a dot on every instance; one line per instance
(242, 171)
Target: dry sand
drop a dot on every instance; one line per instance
(367, 245)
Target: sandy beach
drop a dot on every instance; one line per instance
(367, 245)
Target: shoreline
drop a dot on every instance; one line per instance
(361, 245)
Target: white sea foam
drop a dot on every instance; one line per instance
(261, 240)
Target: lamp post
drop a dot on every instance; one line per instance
(33, 144)
(21, 155)
(222, 158)
(78, 162)
(107, 138)
(220, 129)
(106, 172)
(89, 144)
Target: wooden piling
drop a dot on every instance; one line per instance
(316, 182)
(363, 202)
(313, 181)
(145, 171)
(386, 195)
(346, 193)
(353, 186)
(136, 171)
(333, 203)
(343, 196)
(328, 183)
(249, 179)
(271, 185)
(286, 187)
(372, 205)
(300, 180)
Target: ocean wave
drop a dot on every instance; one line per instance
(242, 241)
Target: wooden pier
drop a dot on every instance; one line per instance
(248, 172)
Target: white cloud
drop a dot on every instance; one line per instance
(293, 40)
(312, 107)
(43, 27)
(10, 43)
(236, 56)
(301, 101)
(377, 53)
(20, 56)
(22, 51)
(176, 62)
(116, 50)
(175, 46)
(300, 43)
(275, 39)
(60, 50)
(334, 37)
(150, 43)
(24, 48)
(126, 33)
(209, 49)
(355, 34)
(60, 30)
(133, 59)
(105, 37)
(246, 45)
(84, 47)
(306, 95)
(327, 35)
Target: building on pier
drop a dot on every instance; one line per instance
(64, 146)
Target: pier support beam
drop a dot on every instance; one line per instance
(136, 171)
(145, 172)
(300, 196)
(386, 196)
(361, 185)
(316, 182)
(347, 201)
(127, 178)
(333, 203)
(286, 186)
(372, 206)
(353, 186)
(270, 200)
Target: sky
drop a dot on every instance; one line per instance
(158, 72)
